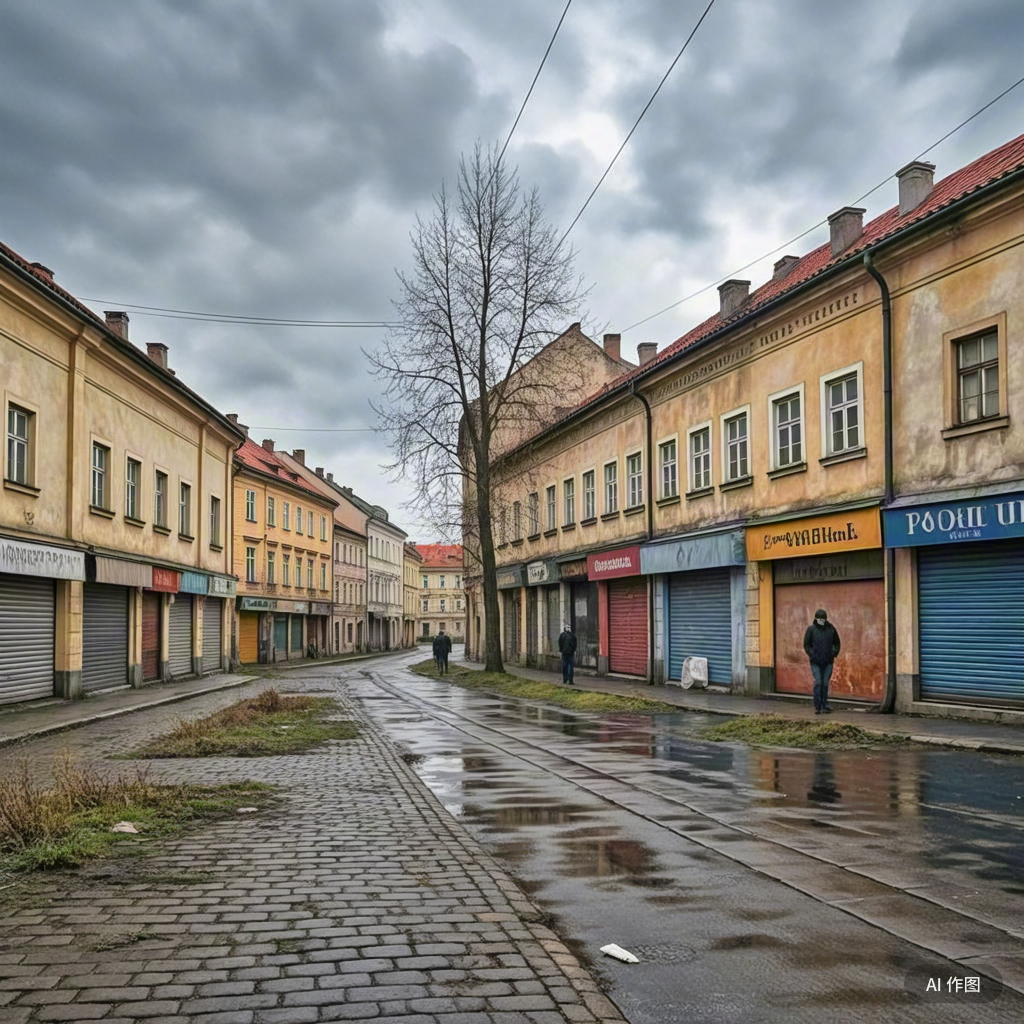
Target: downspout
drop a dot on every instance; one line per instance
(889, 700)
(650, 522)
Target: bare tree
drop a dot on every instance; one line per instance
(490, 286)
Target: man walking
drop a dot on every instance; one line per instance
(442, 648)
(821, 644)
(567, 647)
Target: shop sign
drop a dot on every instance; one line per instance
(319, 608)
(541, 572)
(122, 573)
(41, 560)
(952, 522)
(510, 576)
(573, 570)
(687, 555)
(258, 604)
(852, 565)
(165, 580)
(611, 564)
(223, 586)
(193, 583)
(817, 535)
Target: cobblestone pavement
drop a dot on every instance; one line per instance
(357, 897)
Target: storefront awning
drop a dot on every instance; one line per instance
(687, 554)
(123, 574)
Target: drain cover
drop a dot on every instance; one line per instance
(665, 953)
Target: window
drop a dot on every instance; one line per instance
(284, 516)
(669, 469)
(550, 496)
(298, 571)
(250, 506)
(323, 576)
(323, 527)
(841, 401)
(426, 582)
(271, 569)
(736, 461)
(286, 571)
(250, 565)
(215, 521)
(160, 499)
(977, 378)
(700, 458)
(441, 626)
(350, 632)
(298, 519)
(442, 605)
(100, 474)
(517, 520)
(503, 525)
(611, 487)
(589, 498)
(310, 581)
(569, 500)
(20, 424)
(787, 431)
(533, 514)
(132, 476)
(271, 512)
(425, 604)
(441, 582)
(309, 525)
(185, 510)
(458, 582)
(635, 479)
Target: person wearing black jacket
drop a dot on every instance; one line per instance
(567, 647)
(821, 644)
(442, 647)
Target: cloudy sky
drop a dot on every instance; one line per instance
(267, 158)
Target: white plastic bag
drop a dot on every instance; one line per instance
(695, 673)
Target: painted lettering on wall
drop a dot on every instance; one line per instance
(811, 537)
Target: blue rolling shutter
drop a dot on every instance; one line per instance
(700, 622)
(971, 622)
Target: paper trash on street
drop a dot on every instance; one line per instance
(619, 953)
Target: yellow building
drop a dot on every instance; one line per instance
(411, 563)
(115, 543)
(284, 538)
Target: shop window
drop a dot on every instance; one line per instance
(635, 479)
(20, 446)
(611, 488)
(589, 496)
(700, 457)
(669, 469)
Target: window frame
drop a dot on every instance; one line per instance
(99, 445)
(953, 426)
(250, 564)
(286, 510)
(825, 381)
(693, 486)
(132, 488)
(185, 508)
(775, 400)
(533, 514)
(611, 507)
(588, 506)
(160, 497)
(250, 505)
(551, 506)
(271, 568)
(664, 493)
(569, 501)
(16, 405)
(637, 476)
(309, 523)
(517, 520)
(215, 520)
(323, 528)
(726, 418)
(298, 520)
(271, 510)
(286, 570)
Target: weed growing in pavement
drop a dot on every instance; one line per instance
(269, 723)
(767, 730)
(70, 822)
(117, 941)
(574, 699)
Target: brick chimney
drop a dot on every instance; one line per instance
(845, 226)
(43, 271)
(731, 296)
(784, 266)
(319, 472)
(646, 351)
(299, 455)
(117, 321)
(613, 346)
(916, 181)
(330, 478)
(268, 444)
(233, 418)
(157, 351)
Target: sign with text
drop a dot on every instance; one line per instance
(510, 576)
(165, 580)
(223, 586)
(41, 560)
(689, 554)
(955, 522)
(611, 564)
(816, 535)
(257, 604)
(573, 570)
(542, 572)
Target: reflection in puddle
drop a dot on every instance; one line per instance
(603, 858)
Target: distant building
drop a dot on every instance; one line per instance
(441, 600)
(410, 593)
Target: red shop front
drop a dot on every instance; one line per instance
(622, 609)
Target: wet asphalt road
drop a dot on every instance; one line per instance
(631, 830)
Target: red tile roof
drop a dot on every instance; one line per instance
(441, 556)
(256, 457)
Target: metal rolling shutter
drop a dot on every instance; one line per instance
(212, 634)
(150, 636)
(700, 622)
(26, 638)
(296, 632)
(104, 636)
(248, 638)
(531, 623)
(971, 622)
(627, 626)
(179, 625)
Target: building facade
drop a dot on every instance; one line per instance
(441, 600)
(284, 546)
(410, 577)
(115, 540)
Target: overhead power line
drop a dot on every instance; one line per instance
(317, 430)
(821, 223)
(636, 123)
(233, 318)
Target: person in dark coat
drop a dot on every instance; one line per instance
(567, 648)
(442, 647)
(821, 644)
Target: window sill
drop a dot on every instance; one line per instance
(551, 533)
(609, 516)
(187, 538)
(217, 547)
(568, 527)
(250, 519)
(797, 467)
(517, 543)
(635, 510)
(588, 522)
(132, 521)
(735, 485)
(164, 530)
(853, 453)
(500, 547)
(533, 537)
(700, 492)
(665, 502)
(105, 513)
(13, 485)
(980, 426)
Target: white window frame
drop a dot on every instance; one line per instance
(250, 505)
(674, 440)
(250, 564)
(105, 471)
(610, 507)
(271, 511)
(569, 501)
(160, 515)
(271, 568)
(133, 489)
(773, 428)
(826, 412)
(286, 510)
(286, 570)
(215, 513)
(184, 488)
(533, 513)
(630, 477)
(28, 442)
(589, 495)
(551, 506)
(323, 575)
(743, 410)
(691, 479)
(298, 520)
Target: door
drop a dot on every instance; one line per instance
(857, 609)
(297, 634)
(179, 629)
(249, 637)
(554, 618)
(700, 623)
(212, 634)
(583, 616)
(150, 635)
(627, 626)
(27, 637)
(531, 626)
(104, 636)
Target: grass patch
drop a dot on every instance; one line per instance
(767, 730)
(574, 699)
(70, 822)
(260, 726)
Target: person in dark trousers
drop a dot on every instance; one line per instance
(567, 647)
(442, 648)
(821, 643)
